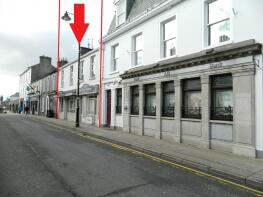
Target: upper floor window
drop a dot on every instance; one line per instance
(92, 67)
(192, 98)
(169, 37)
(150, 100)
(222, 97)
(218, 21)
(115, 57)
(71, 76)
(119, 101)
(121, 12)
(137, 49)
(81, 71)
(168, 99)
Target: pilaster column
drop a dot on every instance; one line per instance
(141, 110)
(126, 109)
(177, 111)
(205, 104)
(158, 133)
(113, 108)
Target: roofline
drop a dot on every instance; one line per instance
(81, 57)
(145, 16)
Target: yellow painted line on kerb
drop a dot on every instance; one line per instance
(200, 173)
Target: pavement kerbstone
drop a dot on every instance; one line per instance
(240, 169)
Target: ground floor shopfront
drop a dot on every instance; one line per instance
(88, 104)
(205, 99)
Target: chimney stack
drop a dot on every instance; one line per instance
(45, 60)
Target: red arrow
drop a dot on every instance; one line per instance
(79, 26)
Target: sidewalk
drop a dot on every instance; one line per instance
(244, 170)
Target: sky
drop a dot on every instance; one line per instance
(29, 29)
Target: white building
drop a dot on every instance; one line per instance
(89, 88)
(162, 62)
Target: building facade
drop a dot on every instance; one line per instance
(89, 88)
(186, 71)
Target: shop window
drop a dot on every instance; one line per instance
(150, 100)
(191, 98)
(119, 101)
(218, 21)
(135, 100)
(168, 99)
(71, 106)
(222, 97)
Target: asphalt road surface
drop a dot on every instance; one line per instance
(41, 160)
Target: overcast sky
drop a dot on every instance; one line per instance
(29, 29)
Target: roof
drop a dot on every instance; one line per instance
(138, 8)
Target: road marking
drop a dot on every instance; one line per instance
(173, 164)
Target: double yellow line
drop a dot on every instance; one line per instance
(176, 165)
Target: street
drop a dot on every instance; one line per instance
(40, 160)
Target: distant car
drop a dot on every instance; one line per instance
(3, 110)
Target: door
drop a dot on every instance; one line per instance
(108, 108)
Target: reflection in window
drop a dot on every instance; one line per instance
(169, 38)
(192, 98)
(150, 100)
(135, 100)
(222, 98)
(168, 99)
(219, 21)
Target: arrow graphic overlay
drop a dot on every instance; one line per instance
(79, 27)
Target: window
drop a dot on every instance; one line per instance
(137, 50)
(115, 57)
(121, 13)
(150, 100)
(61, 105)
(92, 67)
(62, 79)
(192, 98)
(135, 100)
(169, 38)
(222, 98)
(81, 72)
(119, 101)
(218, 21)
(71, 106)
(168, 99)
(71, 76)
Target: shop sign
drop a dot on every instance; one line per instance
(88, 89)
(216, 65)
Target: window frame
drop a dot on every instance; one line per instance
(134, 51)
(119, 14)
(134, 94)
(149, 112)
(71, 73)
(81, 70)
(186, 113)
(214, 89)
(118, 101)
(92, 67)
(207, 25)
(165, 93)
(62, 78)
(114, 59)
(163, 40)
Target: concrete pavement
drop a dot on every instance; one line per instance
(247, 171)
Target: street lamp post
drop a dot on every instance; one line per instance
(66, 17)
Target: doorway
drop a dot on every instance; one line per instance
(108, 108)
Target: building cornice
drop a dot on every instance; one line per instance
(227, 52)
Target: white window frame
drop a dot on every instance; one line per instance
(206, 26)
(134, 51)
(71, 73)
(118, 15)
(62, 78)
(113, 57)
(92, 67)
(81, 71)
(162, 25)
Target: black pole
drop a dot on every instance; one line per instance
(77, 110)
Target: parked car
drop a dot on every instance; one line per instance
(3, 110)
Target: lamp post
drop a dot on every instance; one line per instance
(66, 17)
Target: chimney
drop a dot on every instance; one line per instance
(62, 62)
(45, 60)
